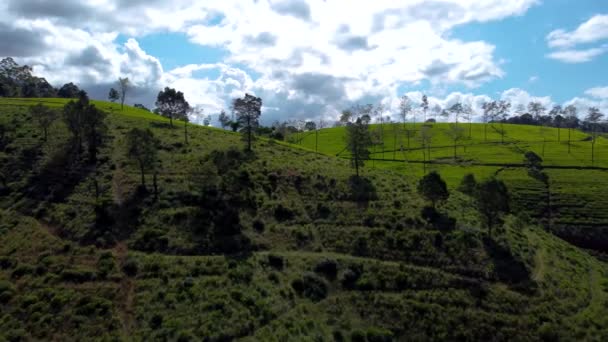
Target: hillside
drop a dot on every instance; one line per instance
(572, 204)
(280, 244)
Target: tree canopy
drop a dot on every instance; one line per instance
(172, 104)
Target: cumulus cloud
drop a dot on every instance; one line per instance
(598, 92)
(578, 56)
(305, 58)
(594, 29)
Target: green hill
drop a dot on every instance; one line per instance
(572, 204)
(282, 244)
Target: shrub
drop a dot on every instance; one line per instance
(105, 264)
(282, 213)
(276, 261)
(7, 291)
(130, 267)
(357, 336)
(328, 268)
(259, 226)
(349, 278)
(379, 335)
(77, 275)
(311, 286)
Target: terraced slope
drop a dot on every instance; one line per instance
(578, 204)
(282, 244)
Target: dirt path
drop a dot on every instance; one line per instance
(127, 292)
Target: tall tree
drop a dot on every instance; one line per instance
(143, 147)
(492, 201)
(224, 119)
(405, 109)
(556, 114)
(501, 112)
(488, 112)
(44, 117)
(593, 117)
(113, 95)
(123, 84)
(433, 188)
(94, 129)
(456, 134)
(425, 106)
(536, 109)
(571, 121)
(456, 109)
(467, 114)
(73, 115)
(248, 110)
(426, 140)
(172, 104)
(358, 139)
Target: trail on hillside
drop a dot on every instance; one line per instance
(127, 291)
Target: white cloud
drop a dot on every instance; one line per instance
(577, 56)
(598, 92)
(594, 29)
(533, 79)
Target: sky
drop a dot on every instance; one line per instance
(310, 59)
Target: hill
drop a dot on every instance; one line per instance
(279, 244)
(571, 204)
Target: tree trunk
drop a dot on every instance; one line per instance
(155, 183)
(569, 130)
(454, 149)
(395, 143)
(45, 133)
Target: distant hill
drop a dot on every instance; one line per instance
(283, 244)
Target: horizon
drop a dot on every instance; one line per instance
(322, 59)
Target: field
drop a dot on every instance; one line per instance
(281, 244)
(578, 205)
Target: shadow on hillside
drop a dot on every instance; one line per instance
(361, 189)
(161, 125)
(508, 269)
(439, 221)
(56, 180)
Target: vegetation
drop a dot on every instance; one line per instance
(284, 243)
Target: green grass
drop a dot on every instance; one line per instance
(307, 262)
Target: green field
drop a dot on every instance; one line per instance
(578, 205)
(283, 244)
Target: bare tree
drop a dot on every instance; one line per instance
(456, 133)
(425, 106)
(426, 140)
(556, 114)
(44, 117)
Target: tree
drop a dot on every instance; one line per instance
(224, 119)
(68, 91)
(405, 109)
(44, 117)
(310, 126)
(536, 109)
(425, 106)
(571, 121)
(426, 140)
(488, 112)
(73, 115)
(248, 110)
(468, 185)
(433, 188)
(358, 140)
(172, 104)
(456, 133)
(492, 201)
(94, 129)
(501, 112)
(143, 147)
(467, 114)
(456, 109)
(123, 84)
(593, 117)
(113, 96)
(556, 114)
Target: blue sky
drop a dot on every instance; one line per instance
(312, 58)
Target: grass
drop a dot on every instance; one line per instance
(304, 261)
